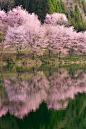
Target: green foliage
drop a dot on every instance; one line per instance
(6, 4)
(76, 19)
(83, 3)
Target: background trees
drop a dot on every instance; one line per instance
(6, 4)
(76, 19)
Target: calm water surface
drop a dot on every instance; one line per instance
(43, 98)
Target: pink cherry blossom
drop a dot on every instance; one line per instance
(54, 18)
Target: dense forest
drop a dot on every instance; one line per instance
(42, 7)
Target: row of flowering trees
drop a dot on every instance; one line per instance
(25, 30)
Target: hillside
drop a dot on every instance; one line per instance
(70, 5)
(75, 10)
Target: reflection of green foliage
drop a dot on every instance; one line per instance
(8, 122)
(2, 89)
(72, 117)
(48, 69)
(19, 68)
(0, 48)
(75, 117)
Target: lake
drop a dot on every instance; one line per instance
(45, 97)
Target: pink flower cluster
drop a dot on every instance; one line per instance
(25, 29)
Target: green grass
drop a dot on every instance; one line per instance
(0, 78)
(10, 56)
(0, 49)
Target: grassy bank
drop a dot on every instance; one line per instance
(11, 57)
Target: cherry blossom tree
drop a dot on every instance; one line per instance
(57, 38)
(65, 40)
(81, 40)
(3, 15)
(36, 37)
(21, 33)
(57, 18)
(18, 16)
(61, 38)
(32, 35)
(15, 37)
(3, 29)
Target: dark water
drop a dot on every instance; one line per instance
(43, 98)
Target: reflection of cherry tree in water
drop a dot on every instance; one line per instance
(63, 86)
(25, 92)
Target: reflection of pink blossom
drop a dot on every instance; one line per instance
(26, 95)
(3, 111)
(64, 87)
(57, 105)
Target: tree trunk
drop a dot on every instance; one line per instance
(33, 56)
(41, 57)
(1, 52)
(71, 52)
(18, 52)
(49, 54)
(59, 54)
(50, 71)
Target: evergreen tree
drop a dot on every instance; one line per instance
(76, 19)
(59, 5)
(63, 7)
